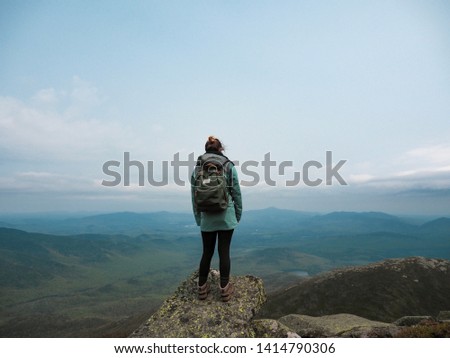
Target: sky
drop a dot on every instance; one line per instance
(86, 84)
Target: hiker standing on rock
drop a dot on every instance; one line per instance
(217, 206)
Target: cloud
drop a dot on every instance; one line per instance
(421, 168)
(60, 125)
(83, 98)
(429, 156)
(54, 144)
(47, 96)
(44, 182)
(360, 178)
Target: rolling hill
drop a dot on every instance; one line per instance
(82, 276)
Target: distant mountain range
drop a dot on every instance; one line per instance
(127, 223)
(79, 276)
(132, 224)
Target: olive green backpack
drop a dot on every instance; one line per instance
(211, 189)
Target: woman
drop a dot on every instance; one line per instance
(218, 225)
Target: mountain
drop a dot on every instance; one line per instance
(439, 226)
(271, 217)
(365, 222)
(126, 223)
(383, 291)
(30, 258)
(85, 276)
(83, 285)
(262, 221)
(336, 223)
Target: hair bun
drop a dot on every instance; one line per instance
(213, 144)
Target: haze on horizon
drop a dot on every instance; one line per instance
(83, 83)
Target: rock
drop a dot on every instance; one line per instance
(409, 321)
(338, 325)
(270, 328)
(382, 291)
(444, 316)
(389, 331)
(183, 315)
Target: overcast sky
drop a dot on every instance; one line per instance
(81, 83)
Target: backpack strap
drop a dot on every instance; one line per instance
(217, 158)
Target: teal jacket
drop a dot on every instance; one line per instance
(223, 220)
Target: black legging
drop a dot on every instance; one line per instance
(209, 243)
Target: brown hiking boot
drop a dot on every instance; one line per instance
(226, 292)
(203, 291)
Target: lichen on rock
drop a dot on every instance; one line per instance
(339, 325)
(183, 315)
(271, 328)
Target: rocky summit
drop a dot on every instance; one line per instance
(183, 315)
(411, 292)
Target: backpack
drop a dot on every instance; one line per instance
(211, 192)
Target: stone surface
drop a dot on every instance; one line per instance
(270, 328)
(389, 331)
(444, 316)
(338, 325)
(183, 315)
(409, 321)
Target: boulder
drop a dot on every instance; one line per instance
(270, 328)
(338, 325)
(409, 321)
(183, 315)
(444, 316)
